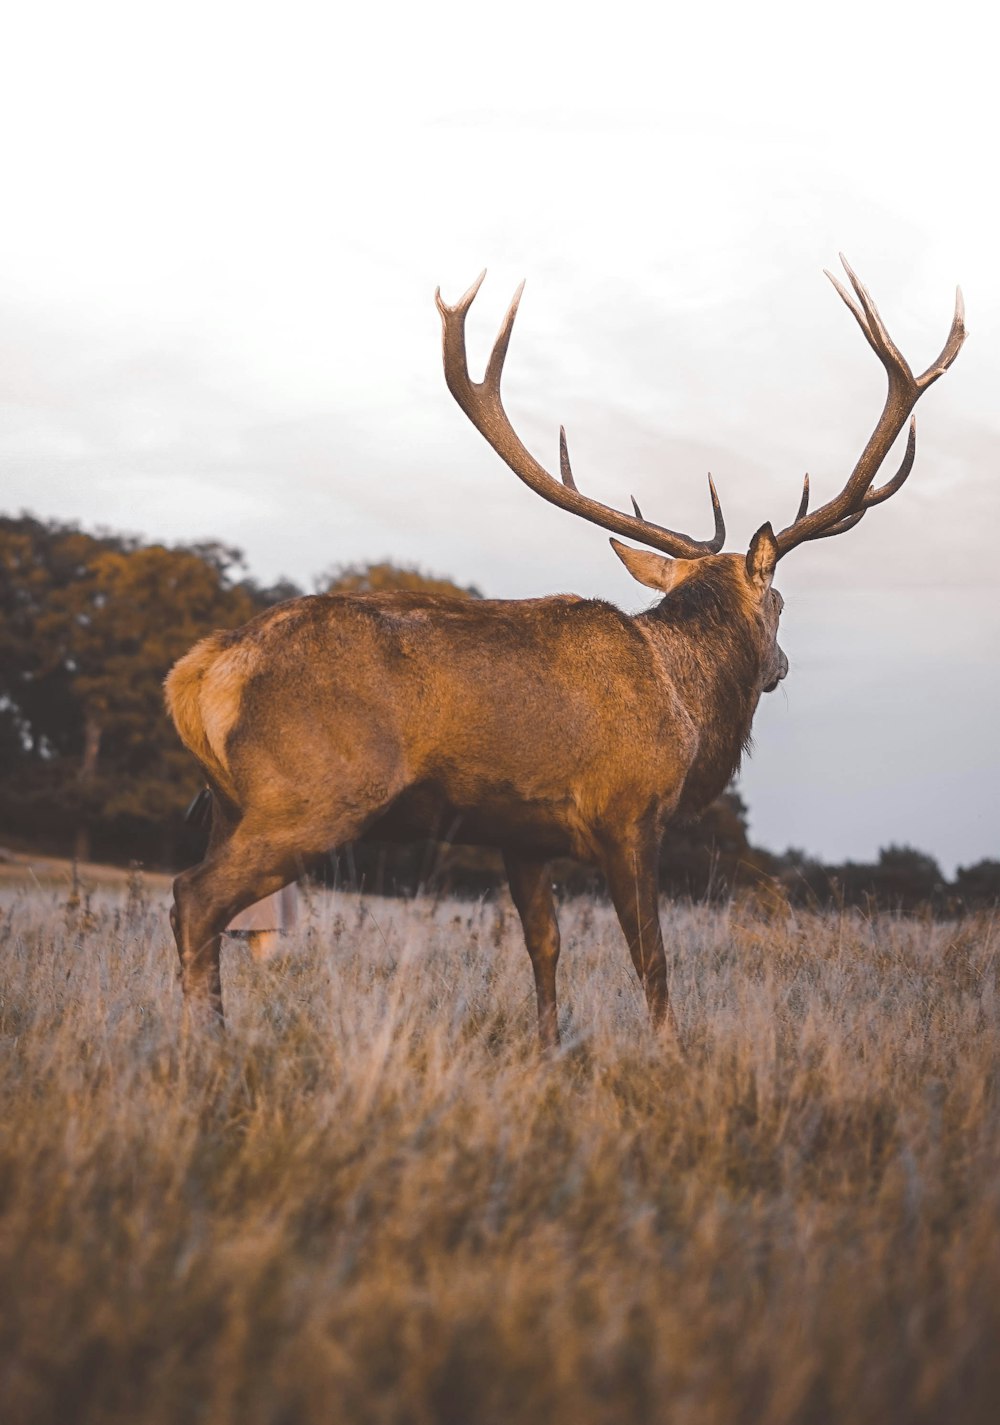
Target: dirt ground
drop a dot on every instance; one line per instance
(26, 869)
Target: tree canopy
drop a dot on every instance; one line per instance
(90, 624)
(385, 577)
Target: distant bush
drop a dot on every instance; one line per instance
(979, 885)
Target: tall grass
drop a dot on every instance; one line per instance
(373, 1201)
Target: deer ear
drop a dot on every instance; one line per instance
(654, 570)
(762, 556)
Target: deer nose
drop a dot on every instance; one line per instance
(781, 673)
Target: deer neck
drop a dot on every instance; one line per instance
(710, 658)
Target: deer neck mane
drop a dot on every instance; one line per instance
(710, 647)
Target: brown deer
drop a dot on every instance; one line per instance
(545, 727)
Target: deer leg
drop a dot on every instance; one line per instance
(199, 969)
(247, 860)
(531, 891)
(207, 897)
(631, 872)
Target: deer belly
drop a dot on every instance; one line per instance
(541, 827)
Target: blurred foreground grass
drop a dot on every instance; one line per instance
(373, 1202)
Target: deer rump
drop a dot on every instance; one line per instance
(540, 724)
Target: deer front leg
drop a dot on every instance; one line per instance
(531, 891)
(631, 871)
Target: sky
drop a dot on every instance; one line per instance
(223, 226)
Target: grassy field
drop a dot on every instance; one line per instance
(374, 1202)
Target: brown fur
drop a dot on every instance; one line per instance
(709, 627)
(545, 727)
(197, 710)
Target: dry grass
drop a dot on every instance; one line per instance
(373, 1202)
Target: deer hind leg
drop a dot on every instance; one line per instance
(242, 870)
(631, 871)
(247, 861)
(531, 891)
(199, 957)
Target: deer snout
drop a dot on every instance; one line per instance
(781, 672)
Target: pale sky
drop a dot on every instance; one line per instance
(222, 230)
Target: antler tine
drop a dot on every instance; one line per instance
(874, 497)
(857, 496)
(565, 469)
(719, 537)
(804, 502)
(494, 367)
(466, 301)
(848, 522)
(481, 402)
(873, 326)
(952, 346)
(856, 311)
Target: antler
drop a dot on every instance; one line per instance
(905, 389)
(480, 400)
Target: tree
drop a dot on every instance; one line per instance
(979, 885)
(708, 857)
(903, 879)
(385, 577)
(39, 563)
(91, 625)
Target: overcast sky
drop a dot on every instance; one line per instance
(222, 228)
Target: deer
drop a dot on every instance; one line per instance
(545, 728)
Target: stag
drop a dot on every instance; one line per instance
(546, 727)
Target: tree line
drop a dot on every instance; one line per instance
(89, 765)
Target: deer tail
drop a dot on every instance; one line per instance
(204, 707)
